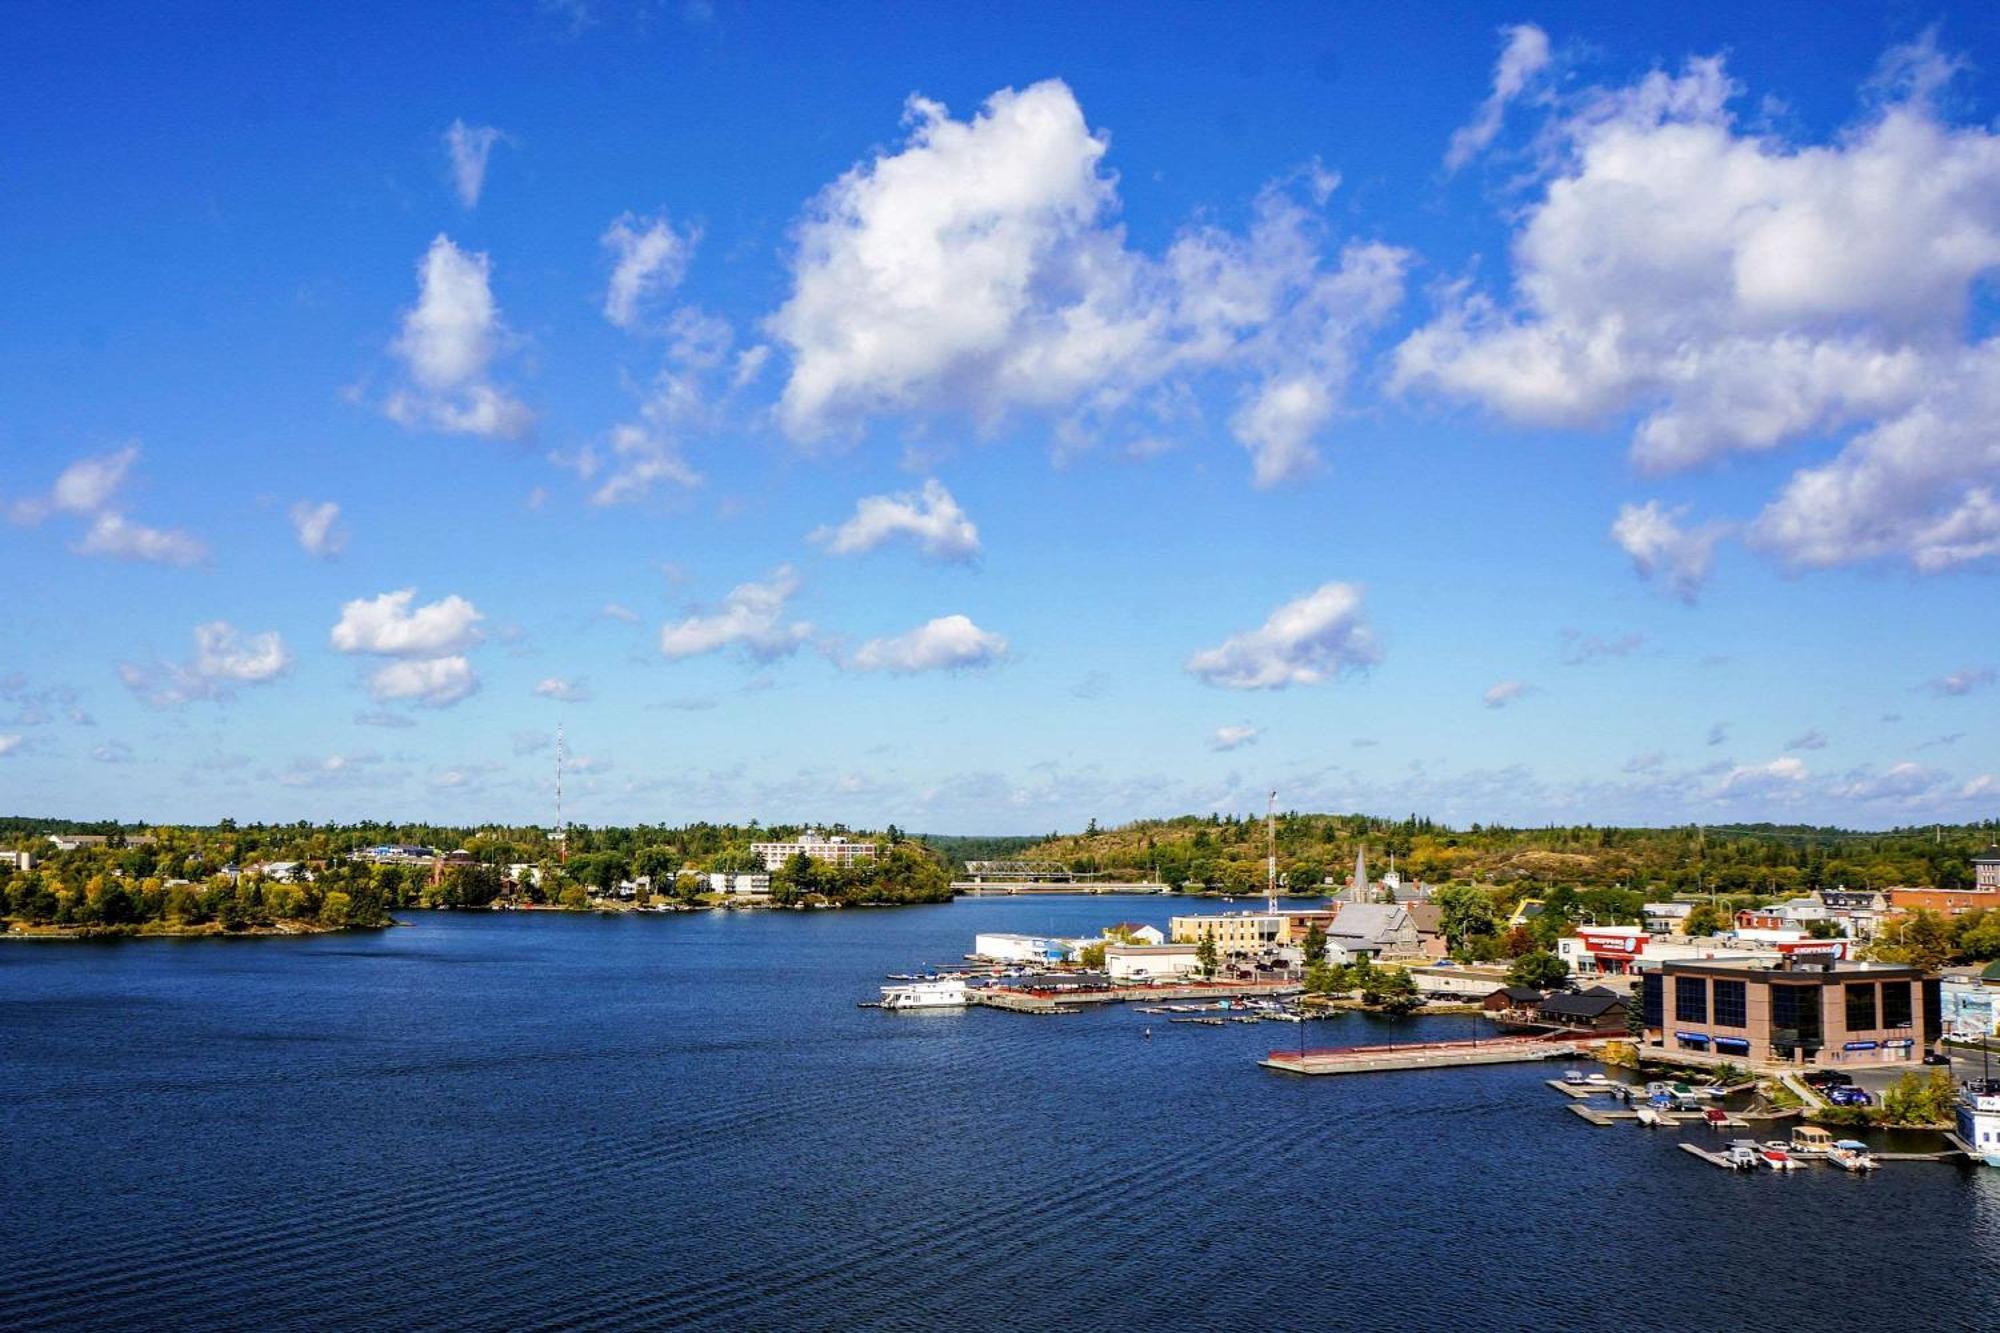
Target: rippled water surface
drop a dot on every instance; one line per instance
(502, 1121)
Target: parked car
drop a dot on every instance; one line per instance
(1849, 1097)
(1828, 1078)
(1937, 1058)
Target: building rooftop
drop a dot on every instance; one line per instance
(1581, 1006)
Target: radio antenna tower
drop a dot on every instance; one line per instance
(1271, 857)
(562, 829)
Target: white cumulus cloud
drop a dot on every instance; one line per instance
(1776, 777)
(1303, 642)
(315, 526)
(931, 518)
(469, 147)
(448, 341)
(1502, 693)
(432, 682)
(1662, 547)
(752, 617)
(979, 269)
(224, 658)
(10, 742)
(1736, 291)
(948, 643)
(388, 625)
(116, 536)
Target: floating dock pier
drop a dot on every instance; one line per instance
(1038, 1001)
(1417, 1055)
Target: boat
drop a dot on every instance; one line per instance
(1812, 1141)
(1979, 1119)
(1651, 1116)
(1574, 1077)
(1851, 1155)
(1716, 1116)
(1743, 1155)
(1778, 1157)
(942, 993)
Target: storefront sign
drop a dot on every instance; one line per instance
(1864, 1045)
(1624, 945)
(1900, 1044)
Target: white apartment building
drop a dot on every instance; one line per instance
(837, 850)
(738, 881)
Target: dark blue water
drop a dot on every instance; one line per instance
(500, 1121)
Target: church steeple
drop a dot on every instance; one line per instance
(1358, 891)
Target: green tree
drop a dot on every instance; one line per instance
(1463, 912)
(1706, 919)
(1092, 955)
(1392, 989)
(1315, 944)
(1206, 955)
(1541, 970)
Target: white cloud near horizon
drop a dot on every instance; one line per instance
(751, 617)
(1737, 292)
(930, 517)
(948, 643)
(1233, 736)
(1525, 55)
(978, 269)
(564, 690)
(470, 147)
(1304, 642)
(447, 344)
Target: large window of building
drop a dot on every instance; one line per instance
(1895, 1004)
(1795, 1018)
(1861, 1005)
(1730, 1008)
(1690, 999)
(1652, 1000)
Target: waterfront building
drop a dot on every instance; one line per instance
(1595, 1010)
(1136, 932)
(738, 882)
(1150, 962)
(1797, 1010)
(1006, 947)
(1373, 930)
(1428, 918)
(835, 851)
(1233, 932)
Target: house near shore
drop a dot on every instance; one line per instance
(1598, 1009)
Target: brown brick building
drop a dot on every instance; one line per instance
(1803, 1012)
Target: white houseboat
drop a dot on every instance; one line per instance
(942, 993)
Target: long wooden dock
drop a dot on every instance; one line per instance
(1417, 1055)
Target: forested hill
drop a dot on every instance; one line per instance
(1227, 852)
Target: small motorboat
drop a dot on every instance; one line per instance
(1651, 1117)
(1743, 1155)
(1575, 1077)
(1851, 1155)
(1716, 1116)
(1778, 1157)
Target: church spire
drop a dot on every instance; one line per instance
(1359, 892)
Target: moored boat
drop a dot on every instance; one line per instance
(1851, 1155)
(941, 993)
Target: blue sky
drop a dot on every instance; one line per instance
(994, 423)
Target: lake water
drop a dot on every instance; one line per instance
(502, 1120)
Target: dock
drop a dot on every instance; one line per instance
(1670, 1119)
(1034, 1001)
(1417, 1055)
(1717, 1159)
